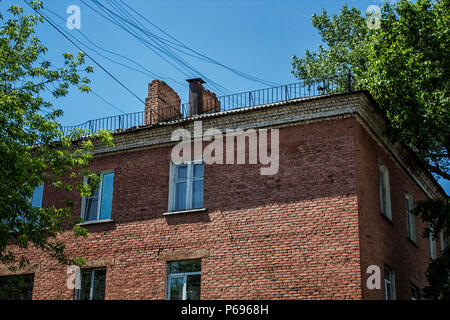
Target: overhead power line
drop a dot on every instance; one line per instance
(157, 43)
(87, 55)
(107, 102)
(153, 43)
(49, 21)
(201, 56)
(134, 35)
(142, 69)
(96, 94)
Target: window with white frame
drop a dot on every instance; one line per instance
(98, 206)
(410, 218)
(432, 244)
(92, 285)
(186, 186)
(385, 196)
(389, 283)
(183, 280)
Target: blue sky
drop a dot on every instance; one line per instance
(257, 37)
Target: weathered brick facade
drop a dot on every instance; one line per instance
(162, 103)
(308, 232)
(210, 102)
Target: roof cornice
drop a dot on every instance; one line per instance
(359, 104)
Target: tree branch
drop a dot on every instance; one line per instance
(439, 155)
(438, 171)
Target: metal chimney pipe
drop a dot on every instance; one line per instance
(195, 96)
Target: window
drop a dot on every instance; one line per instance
(389, 284)
(183, 280)
(92, 285)
(98, 206)
(186, 186)
(18, 287)
(35, 201)
(432, 244)
(444, 241)
(38, 194)
(385, 196)
(410, 218)
(415, 293)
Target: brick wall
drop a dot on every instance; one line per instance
(288, 236)
(385, 242)
(210, 101)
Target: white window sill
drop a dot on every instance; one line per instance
(94, 222)
(184, 211)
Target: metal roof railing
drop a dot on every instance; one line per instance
(224, 103)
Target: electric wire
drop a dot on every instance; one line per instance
(200, 56)
(49, 21)
(120, 21)
(144, 70)
(87, 55)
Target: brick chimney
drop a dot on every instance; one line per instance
(201, 100)
(210, 102)
(162, 103)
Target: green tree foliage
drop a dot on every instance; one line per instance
(436, 214)
(404, 63)
(33, 149)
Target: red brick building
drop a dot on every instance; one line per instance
(335, 207)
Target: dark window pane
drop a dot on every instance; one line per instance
(387, 274)
(91, 206)
(408, 218)
(18, 287)
(388, 291)
(99, 285)
(414, 293)
(85, 291)
(92, 285)
(388, 278)
(407, 205)
(382, 193)
(91, 209)
(176, 288)
(185, 266)
(193, 287)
